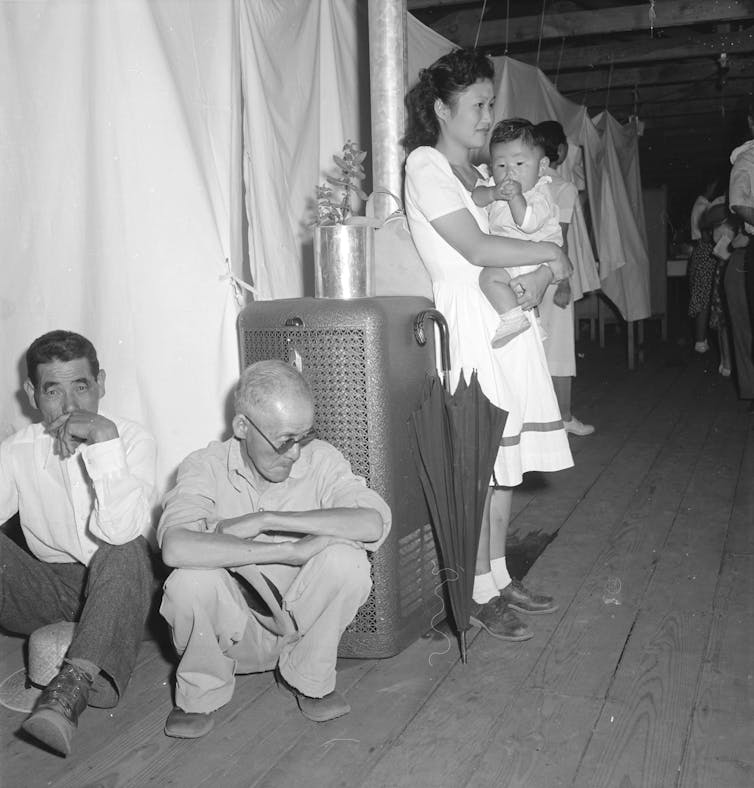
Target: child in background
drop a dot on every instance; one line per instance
(720, 232)
(519, 206)
(702, 265)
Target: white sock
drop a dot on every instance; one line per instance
(484, 588)
(500, 572)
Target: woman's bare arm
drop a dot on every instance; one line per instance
(461, 231)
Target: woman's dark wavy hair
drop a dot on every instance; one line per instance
(444, 79)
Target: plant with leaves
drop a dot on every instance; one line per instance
(335, 198)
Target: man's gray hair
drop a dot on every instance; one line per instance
(262, 382)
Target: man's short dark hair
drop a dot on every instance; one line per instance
(59, 346)
(515, 129)
(551, 137)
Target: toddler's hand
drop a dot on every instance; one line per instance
(508, 189)
(562, 295)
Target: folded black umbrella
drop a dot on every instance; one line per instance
(455, 439)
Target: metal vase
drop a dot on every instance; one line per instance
(344, 261)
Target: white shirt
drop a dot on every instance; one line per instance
(104, 492)
(741, 185)
(541, 220)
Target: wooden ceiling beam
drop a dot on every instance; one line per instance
(671, 109)
(662, 94)
(711, 123)
(645, 50)
(598, 79)
(461, 26)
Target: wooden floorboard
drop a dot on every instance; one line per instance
(653, 691)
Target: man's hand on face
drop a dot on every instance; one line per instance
(308, 546)
(79, 426)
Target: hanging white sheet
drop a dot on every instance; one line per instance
(118, 195)
(305, 77)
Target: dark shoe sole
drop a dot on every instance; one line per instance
(191, 728)
(513, 638)
(52, 729)
(529, 612)
(311, 712)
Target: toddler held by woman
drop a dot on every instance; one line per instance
(519, 205)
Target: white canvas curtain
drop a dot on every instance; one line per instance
(122, 191)
(119, 196)
(305, 75)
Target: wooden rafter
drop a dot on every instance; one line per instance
(461, 26)
(649, 50)
(655, 97)
(665, 74)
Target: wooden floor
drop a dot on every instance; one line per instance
(655, 691)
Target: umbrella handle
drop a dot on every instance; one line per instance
(442, 325)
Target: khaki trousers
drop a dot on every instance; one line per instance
(218, 636)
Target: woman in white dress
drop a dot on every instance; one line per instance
(449, 116)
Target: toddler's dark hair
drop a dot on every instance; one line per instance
(515, 129)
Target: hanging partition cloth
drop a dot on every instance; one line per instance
(120, 203)
(455, 439)
(305, 79)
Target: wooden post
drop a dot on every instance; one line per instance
(389, 80)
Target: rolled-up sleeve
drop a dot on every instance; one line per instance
(191, 503)
(343, 488)
(122, 471)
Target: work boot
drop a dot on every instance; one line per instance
(56, 713)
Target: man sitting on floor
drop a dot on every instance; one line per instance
(83, 486)
(270, 516)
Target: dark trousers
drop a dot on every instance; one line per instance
(740, 323)
(109, 599)
(749, 280)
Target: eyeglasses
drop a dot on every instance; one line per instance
(286, 446)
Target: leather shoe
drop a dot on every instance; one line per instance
(523, 600)
(56, 713)
(499, 620)
(182, 724)
(576, 427)
(332, 706)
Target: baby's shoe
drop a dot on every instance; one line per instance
(701, 347)
(511, 325)
(724, 371)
